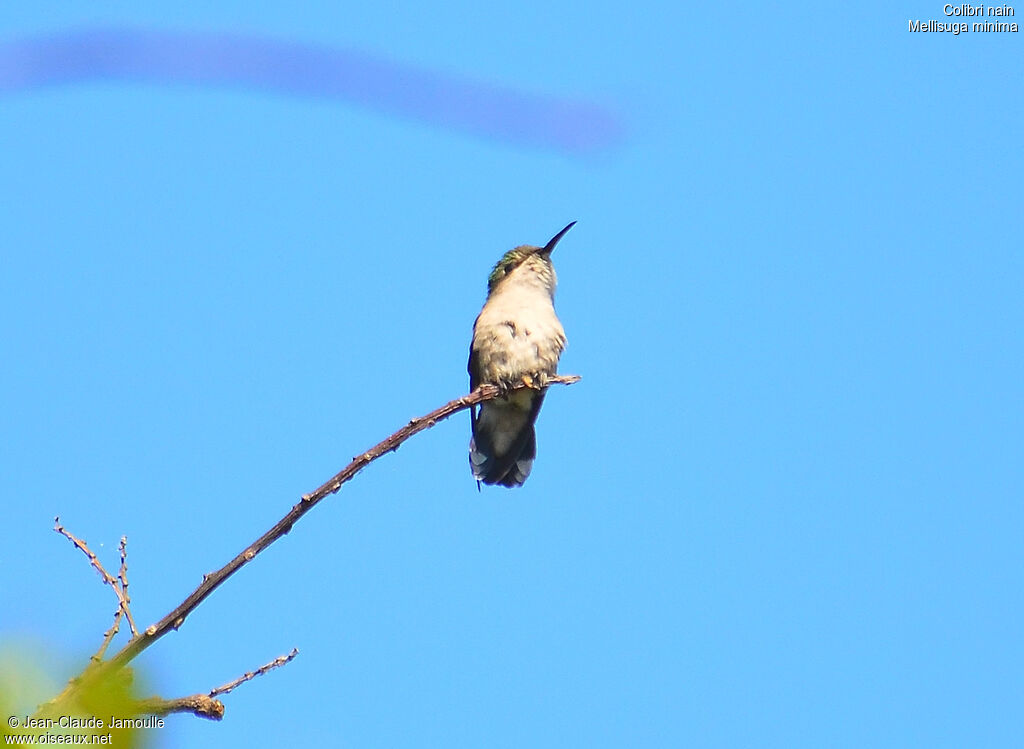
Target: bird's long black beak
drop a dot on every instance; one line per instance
(554, 240)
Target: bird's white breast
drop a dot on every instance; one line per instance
(518, 333)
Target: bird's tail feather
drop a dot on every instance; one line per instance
(510, 469)
(508, 464)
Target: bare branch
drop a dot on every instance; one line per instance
(250, 675)
(122, 577)
(204, 705)
(213, 580)
(200, 705)
(108, 636)
(122, 594)
(107, 577)
(392, 443)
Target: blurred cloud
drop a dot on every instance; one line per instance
(297, 69)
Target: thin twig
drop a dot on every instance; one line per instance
(122, 595)
(108, 636)
(213, 580)
(107, 577)
(250, 675)
(204, 705)
(122, 577)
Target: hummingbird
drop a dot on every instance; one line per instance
(517, 338)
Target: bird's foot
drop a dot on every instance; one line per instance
(535, 382)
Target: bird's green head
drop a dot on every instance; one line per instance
(525, 254)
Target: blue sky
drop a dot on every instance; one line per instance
(782, 509)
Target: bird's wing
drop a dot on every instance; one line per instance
(474, 373)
